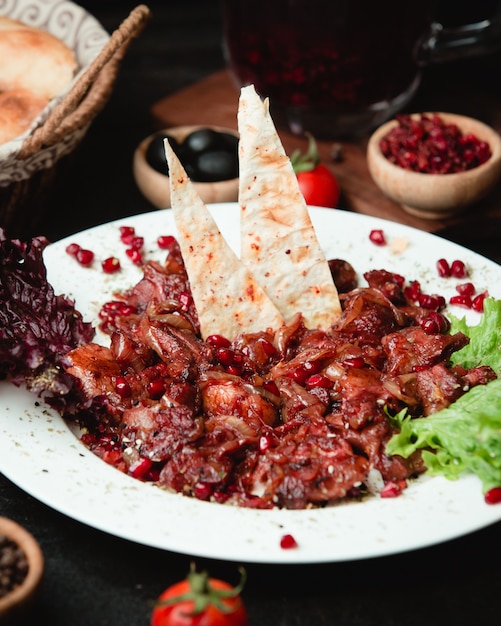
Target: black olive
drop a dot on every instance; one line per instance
(216, 165)
(155, 152)
(202, 140)
(229, 142)
(206, 155)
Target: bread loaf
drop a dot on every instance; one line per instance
(35, 67)
(33, 59)
(18, 109)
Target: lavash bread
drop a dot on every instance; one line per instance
(35, 66)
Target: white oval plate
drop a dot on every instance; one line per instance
(42, 456)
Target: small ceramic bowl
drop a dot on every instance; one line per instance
(155, 186)
(16, 603)
(436, 196)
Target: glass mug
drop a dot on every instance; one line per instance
(340, 68)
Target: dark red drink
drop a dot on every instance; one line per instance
(330, 67)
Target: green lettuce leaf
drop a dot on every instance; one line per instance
(465, 437)
(485, 338)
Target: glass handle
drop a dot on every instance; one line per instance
(452, 43)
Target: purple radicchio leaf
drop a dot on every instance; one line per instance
(37, 327)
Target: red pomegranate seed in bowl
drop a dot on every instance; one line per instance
(434, 164)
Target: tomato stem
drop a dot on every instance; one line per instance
(203, 594)
(307, 161)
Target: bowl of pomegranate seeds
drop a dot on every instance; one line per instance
(209, 154)
(21, 571)
(435, 164)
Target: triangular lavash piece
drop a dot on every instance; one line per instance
(228, 299)
(278, 241)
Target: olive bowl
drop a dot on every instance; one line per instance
(436, 196)
(15, 604)
(155, 186)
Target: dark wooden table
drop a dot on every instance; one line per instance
(94, 578)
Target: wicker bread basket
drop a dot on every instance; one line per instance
(28, 172)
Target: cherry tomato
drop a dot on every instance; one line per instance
(319, 187)
(316, 182)
(200, 600)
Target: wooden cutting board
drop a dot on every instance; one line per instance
(214, 101)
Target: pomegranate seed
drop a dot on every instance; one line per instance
(268, 348)
(392, 489)
(112, 457)
(122, 387)
(430, 326)
(287, 542)
(413, 291)
(299, 375)
(458, 269)
(399, 280)
(318, 381)
(72, 249)
(265, 442)
(202, 491)
(493, 496)
(165, 242)
(377, 237)
(271, 386)
(220, 496)
(477, 304)
(420, 368)
(140, 468)
(134, 255)
(435, 323)
(136, 243)
(84, 257)
(312, 367)
(466, 289)
(226, 356)
(432, 302)
(155, 388)
(461, 300)
(126, 233)
(355, 361)
(218, 341)
(443, 268)
(185, 300)
(110, 265)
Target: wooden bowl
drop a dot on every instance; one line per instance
(17, 602)
(436, 196)
(155, 186)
